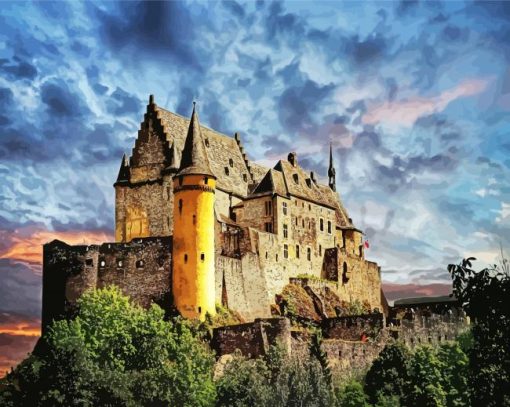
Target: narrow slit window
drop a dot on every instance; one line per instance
(309, 254)
(185, 258)
(297, 251)
(285, 251)
(202, 256)
(180, 206)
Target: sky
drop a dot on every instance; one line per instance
(414, 96)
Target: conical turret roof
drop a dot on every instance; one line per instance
(194, 160)
(124, 170)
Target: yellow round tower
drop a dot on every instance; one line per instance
(193, 281)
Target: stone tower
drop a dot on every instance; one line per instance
(193, 280)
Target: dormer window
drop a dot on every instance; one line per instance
(296, 178)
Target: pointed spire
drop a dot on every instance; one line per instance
(331, 170)
(124, 171)
(194, 158)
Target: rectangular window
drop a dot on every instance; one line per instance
(268, 208)
(320, 250)
(285, 251)
(269, 227)
(329, 226)
(297, 251)
(285, 231)
(321, 223)
(309, 254)
(284, 208)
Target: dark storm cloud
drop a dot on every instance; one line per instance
(123, 103)
(234, 7)
(279, 23)
(163, 31)
(366, 50)
(20, 288)
(61, 101)
(17, 69)
(300, 100)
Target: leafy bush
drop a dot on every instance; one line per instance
(115, 353)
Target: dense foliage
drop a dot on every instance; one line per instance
(114, 353)
(485, 297)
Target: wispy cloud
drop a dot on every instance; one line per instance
(405, 112)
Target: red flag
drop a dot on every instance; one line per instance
(366, 244)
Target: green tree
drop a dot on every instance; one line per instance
(352, 395)
(455, 372)
(116, 353)
(244, 383)
(484, 296)
(388, 375)
(424, 386)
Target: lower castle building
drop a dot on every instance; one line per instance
(198, 223)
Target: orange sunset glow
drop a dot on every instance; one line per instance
(29, 248)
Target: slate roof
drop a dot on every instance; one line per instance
(194, 159)
(224, 156)
(425, 300)
(219, 149)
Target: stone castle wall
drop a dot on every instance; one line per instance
(142, 269)
(346, 352)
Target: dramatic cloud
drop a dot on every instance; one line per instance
(413, 96)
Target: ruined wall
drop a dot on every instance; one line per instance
(353, 328)
(141, 269)
(252, 339)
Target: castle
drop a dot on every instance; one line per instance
(198, 223)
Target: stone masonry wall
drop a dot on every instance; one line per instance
(141, 269)
(252, 339)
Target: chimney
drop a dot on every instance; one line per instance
(292, 158)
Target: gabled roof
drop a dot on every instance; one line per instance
(272, 182)
(194, 159)
(220, 150)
